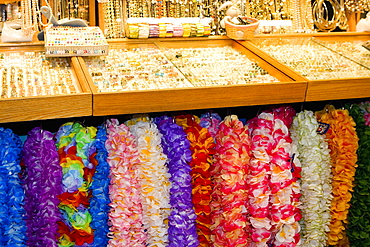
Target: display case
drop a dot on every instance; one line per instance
(330, 74)
(185, 75)
(33, 87)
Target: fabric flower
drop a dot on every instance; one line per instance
(42, 182)
(343, 144)
(210, 121)
(313, 153)
(203, 148)
(153, 178)
(12, 213)
(230, 191)
(273, 179)
(182, 229)
(358, 231)
(125, 214)
(77, 153)
(99, 201)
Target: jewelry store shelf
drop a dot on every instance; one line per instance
(49, 107)
(159, 100)
(321, 89)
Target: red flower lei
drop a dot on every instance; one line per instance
(202, 149)
(230, 190)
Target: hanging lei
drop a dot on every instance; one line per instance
(315, 181)
(273, 179)
(42, 184)
(77, 153)
(261, 133)
(202, 148)
(182, 228)
(230, 191)
(343, 144)
(12, 224)
(210, 121)
(99, 202)
(358, 230)
(125, 215)
(153, 179)
(285, 187)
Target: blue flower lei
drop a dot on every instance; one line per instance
(99, 202)
(182, 227)
(12, 222)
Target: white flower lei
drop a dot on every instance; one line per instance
(316, 179)
(154, 180)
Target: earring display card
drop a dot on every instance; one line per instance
(65, 41)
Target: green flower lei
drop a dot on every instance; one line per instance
(359, 213)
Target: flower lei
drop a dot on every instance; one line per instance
(315, 181)
(285, 187)
(12, 224)
(261, 133)
(202, 148)
(153, 179)
(210, 121)
(358, 227)
(42, 183)
(343, 144)
(275, 190)
(182, 229)
(99, 201)
(125, 215)
(230, 191)
(77, 152)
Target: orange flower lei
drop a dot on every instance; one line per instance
(202, 149)
(343, 144)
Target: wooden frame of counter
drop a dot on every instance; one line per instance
(50, 107)
(286, 91)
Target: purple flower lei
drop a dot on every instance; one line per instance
(12, 224)
(210, 121)
(42, 184)
(182, 227)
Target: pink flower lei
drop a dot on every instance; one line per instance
(261, 132)
(125, 216)
(285, 171)
(230, 191)
(273, 179)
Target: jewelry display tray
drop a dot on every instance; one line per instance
(49, 106)
(330, 88)
(158, 100)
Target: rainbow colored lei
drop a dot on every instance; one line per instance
(77, 152)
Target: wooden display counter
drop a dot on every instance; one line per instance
(49, 107)
(159, 100)
(322, 89)
(291, 87)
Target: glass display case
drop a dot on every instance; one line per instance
(42, 87)
(354, 50)
(311, 59)
(330, 74)
(179, 75)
